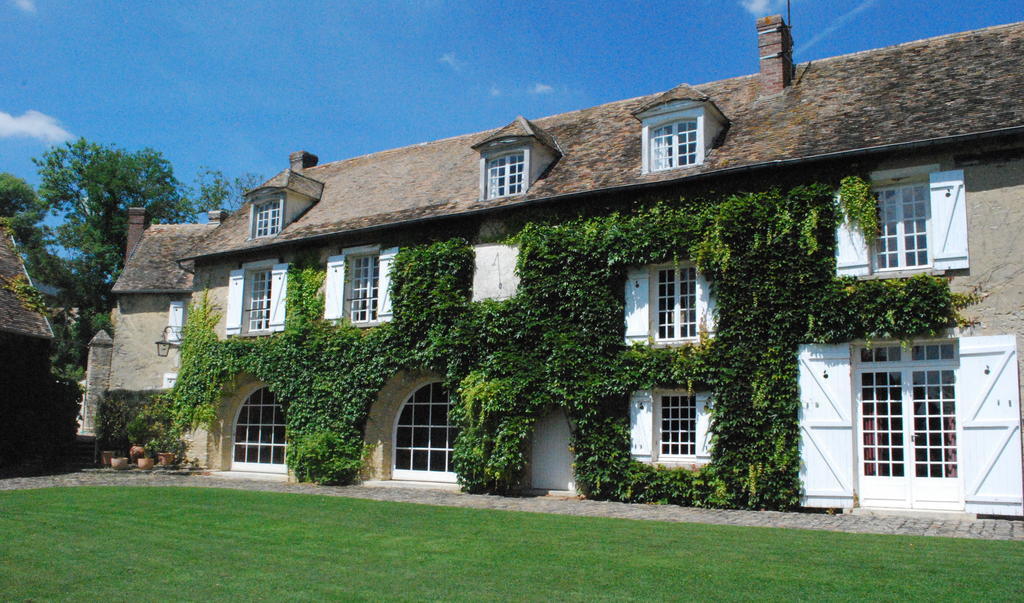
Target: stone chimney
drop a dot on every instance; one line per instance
(776, 50)
(301, 160)
(138, 222)
(216, 216)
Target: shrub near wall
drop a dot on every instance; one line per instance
(559, 343)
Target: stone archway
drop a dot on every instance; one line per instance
(380, 421)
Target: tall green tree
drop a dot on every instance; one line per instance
(214, 190)
(90, 187)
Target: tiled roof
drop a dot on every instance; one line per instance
(951, 85)
(682, 92)
(520, 127)
(15, 316)
(295, 181)
(152, 266)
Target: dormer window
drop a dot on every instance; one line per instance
(505, 175)
(513, 158)
(680, 127)
(674, 145)
(266, 218)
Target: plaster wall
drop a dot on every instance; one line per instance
(494, 274)
(139, 321)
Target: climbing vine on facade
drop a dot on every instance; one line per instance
(558, 343)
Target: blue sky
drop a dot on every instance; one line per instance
(236, 86)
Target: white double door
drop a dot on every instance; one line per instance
(909, 435)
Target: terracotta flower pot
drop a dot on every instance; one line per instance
(145, 463)
(136, 452)
(166, 458)
(119, 462)
(105, 457)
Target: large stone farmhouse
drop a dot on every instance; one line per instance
(927, 421)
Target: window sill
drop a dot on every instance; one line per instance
(253, 334)
(906, 273)
(680, 463)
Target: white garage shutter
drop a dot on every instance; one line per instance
(826, 426)
(989, 415)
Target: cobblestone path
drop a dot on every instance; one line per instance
(993, 529)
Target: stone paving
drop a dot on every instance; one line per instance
(991, 529)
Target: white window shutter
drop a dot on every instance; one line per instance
(236, 287)
(278, 296)
(175, 321)
(641, 422)
(387, 258)
(334, 288)
(852, 255)
(948, 234)
(988, 411)
(638, 318)
(705, 305)
(826, 426)
(703, 426)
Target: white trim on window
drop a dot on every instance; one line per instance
(175, 321)
(668, 303)
(266, 217)
(506, 174)
(671, 427)
(691, 138)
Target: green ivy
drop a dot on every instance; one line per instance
(558, 343)
(860, 206)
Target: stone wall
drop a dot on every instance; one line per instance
(139, 321)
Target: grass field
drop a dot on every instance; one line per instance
(185, 543)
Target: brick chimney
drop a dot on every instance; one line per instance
(138, 222)
(301, 160)
(216, 216)
(775, 45)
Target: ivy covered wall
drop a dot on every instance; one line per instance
(559, 343)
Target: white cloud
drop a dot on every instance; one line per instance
(835, 25)
(449, 59)
(28, 6)
(32, 124)
(494, 91)
(760, 8)
(540, 88)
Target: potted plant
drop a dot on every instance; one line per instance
(139, 431)
(119, 462)
(145, 463)
(165, 440)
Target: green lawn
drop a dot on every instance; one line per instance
(191, 543)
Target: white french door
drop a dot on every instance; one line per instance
(908, 451)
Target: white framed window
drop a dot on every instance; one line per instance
(676, 298)
(257, 294)
(362, 289)
(175, 329)
(358, 285)
(669, 426)
(257, 301)
(674, 145)
(677, 425)
(904, 215)
(506, 175)
(668, 303)
(259, 438)
(266, 218)
(922, 225)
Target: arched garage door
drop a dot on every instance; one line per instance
(259, 435)
(424, 437)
